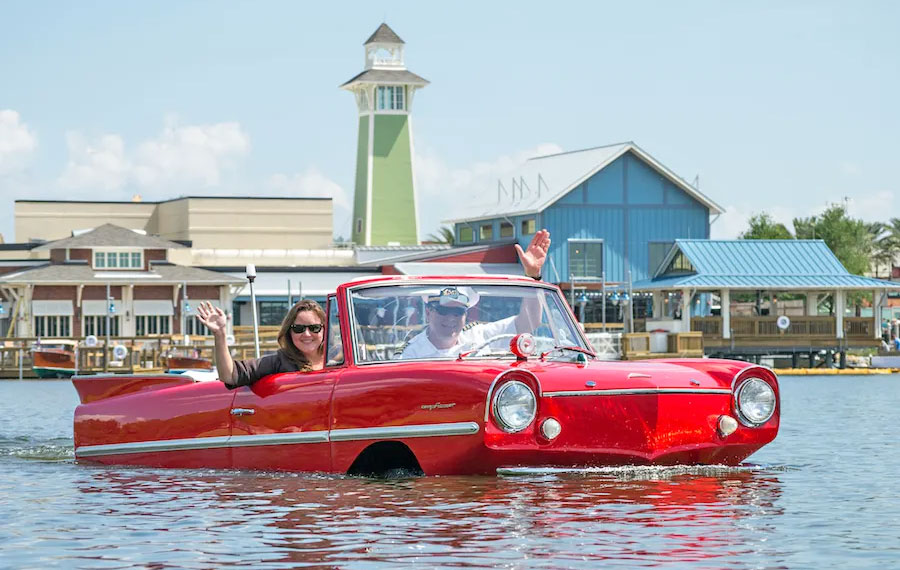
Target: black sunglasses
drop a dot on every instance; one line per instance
(444, 311)
(300, 329)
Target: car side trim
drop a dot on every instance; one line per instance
(401, 432)
(637, 391)
(188, 444)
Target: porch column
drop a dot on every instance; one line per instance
(839, 302)
(725, 300)
(878, 298)
(225, 298)
(128, 311)
(812, 303)
(658, 307)
(685, 310)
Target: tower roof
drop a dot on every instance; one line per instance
(387, 77)
(384, 34)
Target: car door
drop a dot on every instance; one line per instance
(281, 422)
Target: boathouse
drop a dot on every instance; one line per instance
(763, 297)
(115, 275)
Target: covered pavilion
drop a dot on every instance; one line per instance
(754, 297)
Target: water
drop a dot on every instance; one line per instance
(823, 495)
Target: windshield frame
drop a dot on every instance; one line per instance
(355, 338)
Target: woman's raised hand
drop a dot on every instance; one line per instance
(213, 317)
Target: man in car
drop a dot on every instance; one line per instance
(446, 333)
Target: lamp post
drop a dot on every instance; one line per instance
(251, 277)
(185, 309)
(109, 309)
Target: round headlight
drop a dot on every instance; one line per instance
(514, 406)
(755, 402)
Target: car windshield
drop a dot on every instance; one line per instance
(441, 321)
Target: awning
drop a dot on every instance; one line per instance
(153, 307)
(52, 308)
(92, 308)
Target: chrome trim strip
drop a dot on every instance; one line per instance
(279, 438)
(196, 443)
(153, 446)
(402, 432)
(636, 391)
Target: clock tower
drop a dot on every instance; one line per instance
(384, 203)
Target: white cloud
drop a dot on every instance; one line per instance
(189, 155)
(313, 184)
(443, 192)
(95, 165)
(17, 142)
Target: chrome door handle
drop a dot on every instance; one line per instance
(242, 411)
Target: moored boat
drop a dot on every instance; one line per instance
(54, 358)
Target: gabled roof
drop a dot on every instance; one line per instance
(549, 178)
(384, 35)
(758, 264)
(109, 235)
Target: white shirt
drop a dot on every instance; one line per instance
(469, 338)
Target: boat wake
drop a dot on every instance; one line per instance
(26, 448)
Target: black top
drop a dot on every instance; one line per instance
(248, 371)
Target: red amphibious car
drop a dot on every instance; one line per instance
(524, 390)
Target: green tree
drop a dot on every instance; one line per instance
(762, 226)
(443, 235)
(888, 245)
(850, 240)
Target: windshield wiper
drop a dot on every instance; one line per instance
(566, 347)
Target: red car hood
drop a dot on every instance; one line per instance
(693, 374)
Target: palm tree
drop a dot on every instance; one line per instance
(443, 235)
(889, 245)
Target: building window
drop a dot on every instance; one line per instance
(466, 235)
(118, 259)
(656, 252)
(96, 325)
(358, 225)
(272, 312)
(680, 264)
(193, 326)
(586, 258)
(390, 98)
(486, 232)
(528, 227)
(53, 326)
(506, 230)
(146, 325)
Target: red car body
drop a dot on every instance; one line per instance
(430, 416)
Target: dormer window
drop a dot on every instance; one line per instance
(390, 98)
(118, 259)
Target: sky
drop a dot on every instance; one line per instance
(780, 107)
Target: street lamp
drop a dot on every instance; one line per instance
(251, 277)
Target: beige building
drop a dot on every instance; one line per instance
(221, 231)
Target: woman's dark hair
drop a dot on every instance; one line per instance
(284, 335)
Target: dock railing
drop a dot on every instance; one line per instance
(143, 354)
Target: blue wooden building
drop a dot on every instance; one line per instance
(613, 212)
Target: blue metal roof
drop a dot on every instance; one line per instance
(759, 264)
